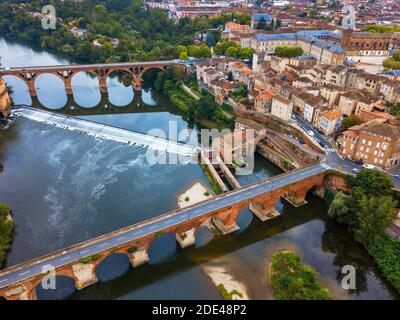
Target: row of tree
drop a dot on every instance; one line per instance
(234, 50)
(143, 34)
(393, 63)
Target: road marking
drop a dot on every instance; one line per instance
(65, 258)
(120, 238)
(153, 227)
(24, 273)
(84, 251)
(103, 245)
(168, 221)
(3, 280)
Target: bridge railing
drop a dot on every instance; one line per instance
(121, 231)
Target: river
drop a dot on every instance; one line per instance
(65, 188)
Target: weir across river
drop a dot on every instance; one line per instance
(109, 132)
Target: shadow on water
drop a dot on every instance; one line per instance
(335, 242)
(115, 265)
(64, 287)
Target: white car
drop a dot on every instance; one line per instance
(293, 116)
(368, 166)
(310, 133)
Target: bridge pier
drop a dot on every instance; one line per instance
(225, 221)
(186, 238)
(138, 258)
(84, 274)
(264, 206)
(137, 83)
(24, 291)
(67, 85)
(31, 86)
(103, 83)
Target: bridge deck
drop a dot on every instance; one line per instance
(82, 67)
(122, 236)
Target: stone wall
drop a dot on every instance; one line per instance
(5, 101)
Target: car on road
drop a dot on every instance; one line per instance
(397, 176)
(310, 133)
(355, 170)
(321, 144)
(293, 116)
(368, 166)
(301, 141)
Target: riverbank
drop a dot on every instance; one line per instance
(6, 232)
(291, 279)
(197, 105)
(195, 194)
(229, 288)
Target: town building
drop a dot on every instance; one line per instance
(282, 107)
(375, 142)
(329, 122)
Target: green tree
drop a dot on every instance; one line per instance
(6, 232)
(373, 215)
(204, 107)
(261, 24)
(167, 80)
(350, 121)
(373, 182)
(211, 39)
(288, 51)
(369, 209)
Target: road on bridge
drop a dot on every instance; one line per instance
(29, 269)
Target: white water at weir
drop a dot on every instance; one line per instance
(108, 132)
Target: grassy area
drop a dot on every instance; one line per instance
(291, 279)
(228, 295)
(386, 253)
(6, 232)
(216, 188)
(90, 259)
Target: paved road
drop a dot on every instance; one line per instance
(332, 159)
(120, 237)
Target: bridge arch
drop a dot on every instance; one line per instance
(152, 69)
(162, 248)
(119, 87)
(86, 88)
(244, 219)
(19, 89)
(65, 286)
(112, 266)
(204, 234)
(50, 90)
(2, 298)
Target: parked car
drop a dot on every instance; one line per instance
(301, 141)
(358, 162)
(368, 166)
(310, 133)
(321, 144)
(355, 170)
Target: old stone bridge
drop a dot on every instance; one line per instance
(79, 261)
(101, 71)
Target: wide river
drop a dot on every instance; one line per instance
(66, 187)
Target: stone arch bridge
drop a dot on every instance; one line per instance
(79, 261)
(101, 71)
